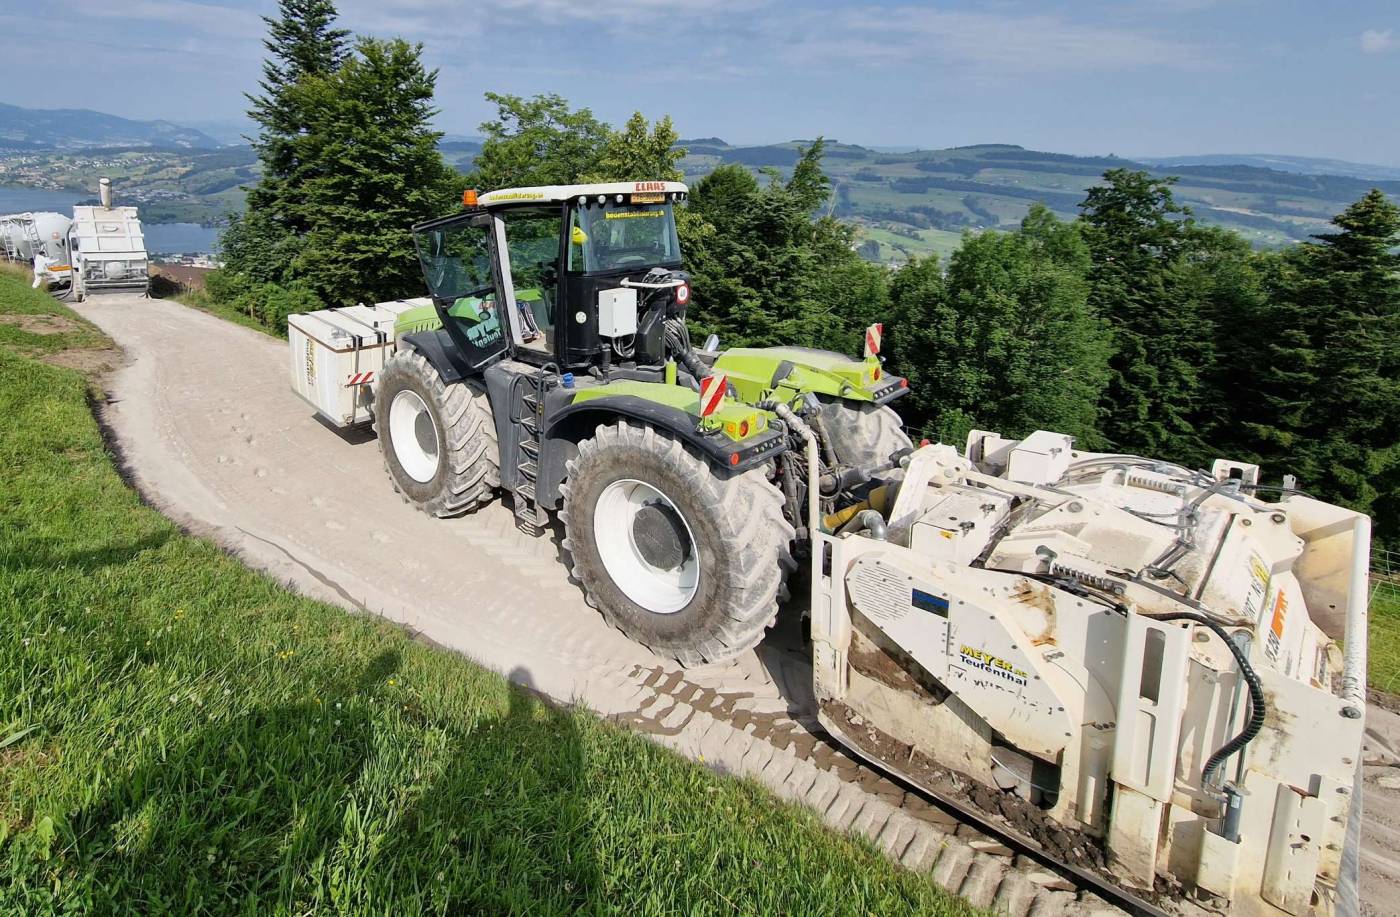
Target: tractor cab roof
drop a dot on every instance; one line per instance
(598, 192)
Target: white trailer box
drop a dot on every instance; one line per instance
(336, 356)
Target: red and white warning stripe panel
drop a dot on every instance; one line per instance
(364, 378)
(712, 389)
(873, 334)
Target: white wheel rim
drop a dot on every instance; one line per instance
(663, 591)
(414, 436)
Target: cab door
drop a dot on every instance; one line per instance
(459, 257)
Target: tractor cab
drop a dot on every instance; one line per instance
(580, 276)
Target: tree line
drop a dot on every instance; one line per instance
(1132, 327)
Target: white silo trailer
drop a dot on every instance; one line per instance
(24, 234)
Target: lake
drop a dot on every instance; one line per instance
(161, 238)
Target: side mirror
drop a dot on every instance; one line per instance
(711, 343)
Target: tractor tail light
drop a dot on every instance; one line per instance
(875, 374)
(733, 458)
(743, 428)
(903, 383)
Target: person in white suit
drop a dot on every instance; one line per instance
(41, 268)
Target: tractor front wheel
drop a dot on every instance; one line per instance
(438, 440)
(681, 560)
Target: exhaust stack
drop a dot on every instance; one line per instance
(104, 193)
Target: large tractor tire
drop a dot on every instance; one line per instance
(863, 435)
(438, 440)
(679, 559)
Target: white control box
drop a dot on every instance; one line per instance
(617, 312)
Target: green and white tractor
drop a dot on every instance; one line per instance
(554, 363)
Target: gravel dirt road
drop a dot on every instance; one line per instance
(210, 432)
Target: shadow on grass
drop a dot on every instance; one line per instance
(350, 806)
(50, 552)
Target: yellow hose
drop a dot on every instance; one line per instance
(878, 500)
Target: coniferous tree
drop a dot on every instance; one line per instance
(1330, 386)
(302, 43)
(379, 172)
(1137, 234)
(771, 271)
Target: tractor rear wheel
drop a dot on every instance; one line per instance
(438, 440)
(863, 435)
(679, 559)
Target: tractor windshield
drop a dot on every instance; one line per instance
(615, 237)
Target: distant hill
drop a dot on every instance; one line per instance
(917, 202)
(1301, 165)
(905, 202)
(77, 129)
(227, 131)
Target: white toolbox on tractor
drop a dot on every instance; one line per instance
(336, 356)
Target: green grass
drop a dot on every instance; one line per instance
(33, 324)
(201, 300)
(180, 734)
(1383, 648)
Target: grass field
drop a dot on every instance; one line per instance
(1383, 650)
(201, 300)
(179, 734)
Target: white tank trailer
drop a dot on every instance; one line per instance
(22, 235)
(108, 247)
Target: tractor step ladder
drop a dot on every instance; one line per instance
(529, 417)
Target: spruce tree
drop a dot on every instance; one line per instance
(1137, 234)
(373, 171)
(1331, 395)
(302, 43)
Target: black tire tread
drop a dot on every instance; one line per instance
(863, 434)
(755, 532)
(473, 456)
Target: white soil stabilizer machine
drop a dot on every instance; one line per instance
(108, 248)
(1128, 663)
(1131, 665)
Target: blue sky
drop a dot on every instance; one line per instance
(1134, 77)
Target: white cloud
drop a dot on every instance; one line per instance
(1005, 43)
(427, 19)
(201, 17)
(1375, 41)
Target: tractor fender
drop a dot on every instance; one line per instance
(437, 348)
(758, 373)
(576, 422)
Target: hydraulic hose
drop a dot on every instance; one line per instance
(678, 339)
(1257, 708)
(798, 426)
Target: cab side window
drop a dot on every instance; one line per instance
(532, 238)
